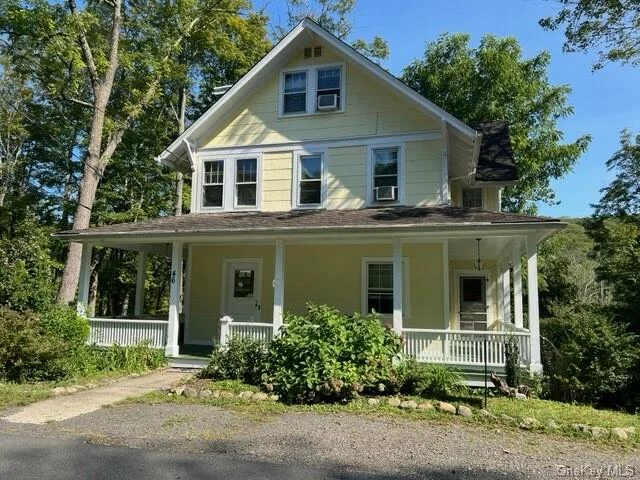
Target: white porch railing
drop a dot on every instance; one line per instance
(262, 332)
(461, 347)
(104, 332)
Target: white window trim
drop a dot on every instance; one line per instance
(229, 185)
(457, 274)
(258, 204)
(295, 184)
(312, 85)
(402, 187)
(202, 183)
(406, 286)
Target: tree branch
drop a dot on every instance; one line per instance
(86, 50)
(113, 44)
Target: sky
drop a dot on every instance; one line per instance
(605, 102)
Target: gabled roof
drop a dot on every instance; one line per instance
(180, 148)
(496, 163)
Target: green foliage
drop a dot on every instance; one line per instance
(242, 359)
(512, 362)
(609, 26)
(135, 358)
(328, 356)
(26, 267)
(587, 359)
(430, 380)
(494, 82)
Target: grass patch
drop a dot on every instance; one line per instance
(18, 394)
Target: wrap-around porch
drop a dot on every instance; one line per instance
(452, 302)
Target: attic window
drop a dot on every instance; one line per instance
(472, 198)
(308, 52)
(317, 51)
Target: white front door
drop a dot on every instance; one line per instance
(243, 301)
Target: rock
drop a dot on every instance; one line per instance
(551, 424)
(226, 394)
(178, 390)
(446, 408)
(506, 418)
(464, 411)
(79, 388)
(260, 396)
(581, 427)
(394, 402)
(205, 394)
(58, 391)
(374, 402)
(409, 405)
(529, 423)
(190, 392)
(486, 414)
(70, 389)
(599, 432)
(619, 433)
(425, 406)
(274, 398)
(216, 394)
(630, 430)
(381, 387)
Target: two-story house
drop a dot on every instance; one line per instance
(319, 177)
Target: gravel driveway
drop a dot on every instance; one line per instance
(343, 442)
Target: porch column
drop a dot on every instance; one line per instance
(140, 278)
(84, 280)
(506, 293)
(171, 348)
(534, 313)
(517, 287)
(278, 287)
(500, 292)
(397, 287)
(445, 280)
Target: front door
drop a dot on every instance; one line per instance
(243, 291)
(473, 303)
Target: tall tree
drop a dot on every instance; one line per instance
(494, 82)
(610, 26)
(332, 15)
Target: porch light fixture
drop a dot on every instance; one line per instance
(478, 265)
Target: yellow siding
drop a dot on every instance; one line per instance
(346, 177)
(324, 274)
(467, 266)
(371, 109)
(276, 182)
(423, 173)
(205, 289)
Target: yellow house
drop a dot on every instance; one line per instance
(319, 177)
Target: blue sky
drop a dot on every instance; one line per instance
(605, 101)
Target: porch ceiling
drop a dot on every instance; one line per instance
(467, 248)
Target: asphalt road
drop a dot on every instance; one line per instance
(26, 457)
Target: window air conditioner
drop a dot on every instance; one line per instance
(328, 101)
(386, 193)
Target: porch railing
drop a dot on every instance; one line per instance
(105, 332)
(262, 332)
(460, 347)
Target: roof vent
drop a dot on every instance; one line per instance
(308, 52)
(317, 51)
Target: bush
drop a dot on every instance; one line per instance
(242, 359)
(137, 358)
(512, 362)
(26, 352)
(430, 380)
(328, 356)
(587, 359)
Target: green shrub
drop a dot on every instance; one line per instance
(328, 356)
(430, 380)
(242, 359)
(136, 358)
(26, 352)
(512, 362)
(587, 359)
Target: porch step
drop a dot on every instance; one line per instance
(186, 362)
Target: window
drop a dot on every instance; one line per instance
(386, 173)
(380, 288)
(310, 179)
(213, 184)
(472, 198)
(243, 283)
(328, 84)
(246, 182)
(295, 92)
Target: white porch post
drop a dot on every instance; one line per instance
(397, 287)
(84, 281)
(171, 348)
(517, 287)
(506, 293)
(534, 314)
(445, 279)
(278, 287)
(140, 278)
(500, 293)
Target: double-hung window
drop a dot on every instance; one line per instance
(386, 174)
(295, 93)
(246, 182)
(380, 288)
(328, 88)
(213, 184)
(472, 198)
(310, 171)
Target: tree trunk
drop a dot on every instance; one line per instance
(125, 304)
(182, 108)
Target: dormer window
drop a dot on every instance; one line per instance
(313, 90)
(472, 198)
(295, 92)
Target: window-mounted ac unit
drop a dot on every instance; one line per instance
(328, 101)
(386, 194)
